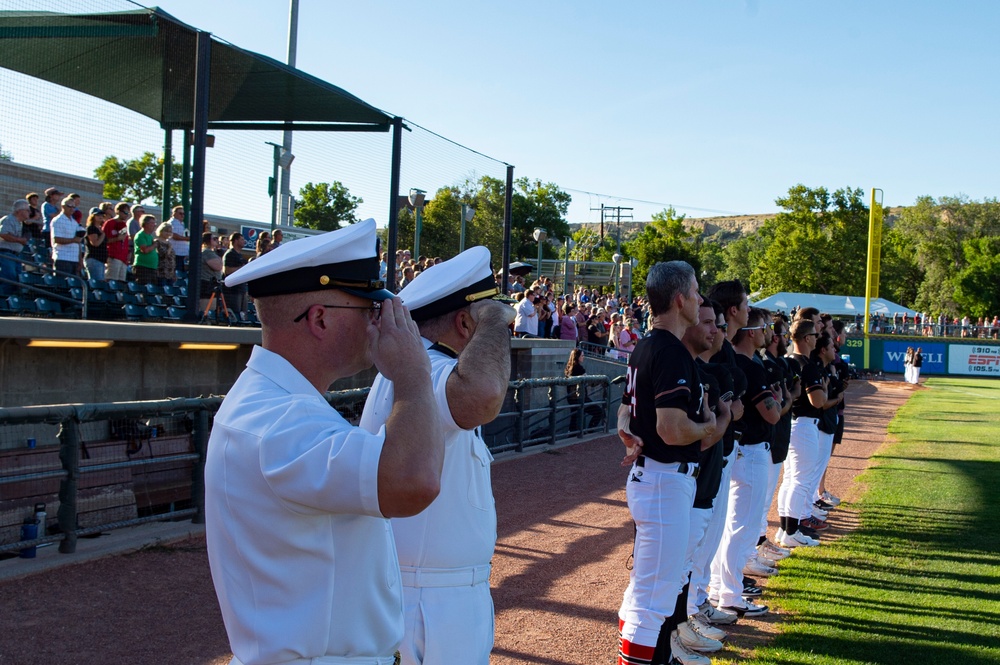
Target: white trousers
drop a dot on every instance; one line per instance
(707, 563)
(800, 465)
(748, 496)
(773, 473)
(700, 520)
(660, 499)
(915, 375)
(826, 452)
(446, 625)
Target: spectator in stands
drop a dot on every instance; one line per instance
(32, 226)
(567, 325)
(95, 244)
(50, 210)
(578, 393)
(526, 319)
(179, 239)
(146, 259)
(222, 246)
(211, 269)
(597, 334)
(117, 241)
(135, 222)
(66, 236)
(408, 276)
(11, 243)
(544, 317)
(263, 246)
(233, 260)
(166, 271)
(279, 237)
(77, 213)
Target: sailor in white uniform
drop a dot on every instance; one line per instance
(297, 499)
(445, 551)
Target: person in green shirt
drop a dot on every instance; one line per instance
(146, 259)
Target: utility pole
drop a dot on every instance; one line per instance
(617, 217)
(284, 217)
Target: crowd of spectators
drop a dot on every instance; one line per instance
(923, 324)
(117, 241)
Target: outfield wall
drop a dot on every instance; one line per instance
(942, 357)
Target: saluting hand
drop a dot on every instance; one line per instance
(492, 309)
(397, 351)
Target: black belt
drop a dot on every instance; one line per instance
(682, 467)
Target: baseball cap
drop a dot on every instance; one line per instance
(51, 191)
(451, 285)
(346, 260)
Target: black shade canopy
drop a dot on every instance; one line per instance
(144, 60)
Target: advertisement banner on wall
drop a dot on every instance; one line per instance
(975, 360)
(894, 354)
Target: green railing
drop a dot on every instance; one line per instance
(122, 464)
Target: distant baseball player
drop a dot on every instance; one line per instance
(662, 421)
(445, 551)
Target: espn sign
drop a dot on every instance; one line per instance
(976, 360)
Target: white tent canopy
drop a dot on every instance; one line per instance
(834, 305)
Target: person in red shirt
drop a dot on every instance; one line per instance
(117, 241)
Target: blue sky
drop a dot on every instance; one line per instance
(709, 106)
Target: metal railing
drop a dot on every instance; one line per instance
(135, 443)
(44, 268)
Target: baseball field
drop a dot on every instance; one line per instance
(911, 572)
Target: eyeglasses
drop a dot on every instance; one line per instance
(375, 309)
(811, 335)
(755, 328)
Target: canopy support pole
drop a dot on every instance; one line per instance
(393, 227)
(507, 198)
(201, 95)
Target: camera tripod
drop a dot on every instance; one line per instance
(220, 304)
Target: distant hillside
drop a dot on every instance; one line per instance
(728, 228)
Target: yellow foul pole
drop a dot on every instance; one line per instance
(874, 261)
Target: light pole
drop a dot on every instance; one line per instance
(417, 201)
(617, 258)
(631, 275)
(282, 159)
(540, 235)
(569, 248)
(468, 212)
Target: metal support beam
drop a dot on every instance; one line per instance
(393, 226)
(507, 199)
(168, 173)
(202, 90)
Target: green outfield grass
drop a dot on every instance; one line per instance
(919, 581)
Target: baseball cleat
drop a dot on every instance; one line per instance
(831, 499)
(716, 616)
(702, 625)
(797, 539)
(756, 567)
(683, 655)
(752, 592)
(694, 640)
(815, 524)
(748, 609)
(772, 551)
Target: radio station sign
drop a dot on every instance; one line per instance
(974, 360)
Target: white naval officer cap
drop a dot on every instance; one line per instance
(452, 285)
(346, 260)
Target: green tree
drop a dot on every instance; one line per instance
(439, 234)
(5, 155)
(818, 244)
(978, 283)
(535, 204)
(137, 180)
(325, 206)
(663, 239)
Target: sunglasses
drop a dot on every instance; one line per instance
(755, 328)
(375, 309)
(723, 327)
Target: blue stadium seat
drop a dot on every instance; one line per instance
(21, 306)
(47, 307)
(156, 312)
(175, 313)
(135, 312)
(116, 286)
(97, 285)
(55, 282)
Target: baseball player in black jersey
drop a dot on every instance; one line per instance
(794, 497)
(663, 420)
(748, 487)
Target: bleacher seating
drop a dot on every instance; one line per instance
(46, 307)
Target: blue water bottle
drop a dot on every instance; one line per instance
(29, 531)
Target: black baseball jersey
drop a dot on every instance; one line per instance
(662, 375)
(755, 428)
(727, 358)
(811, 373)
(783, 429)
(720, 383)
